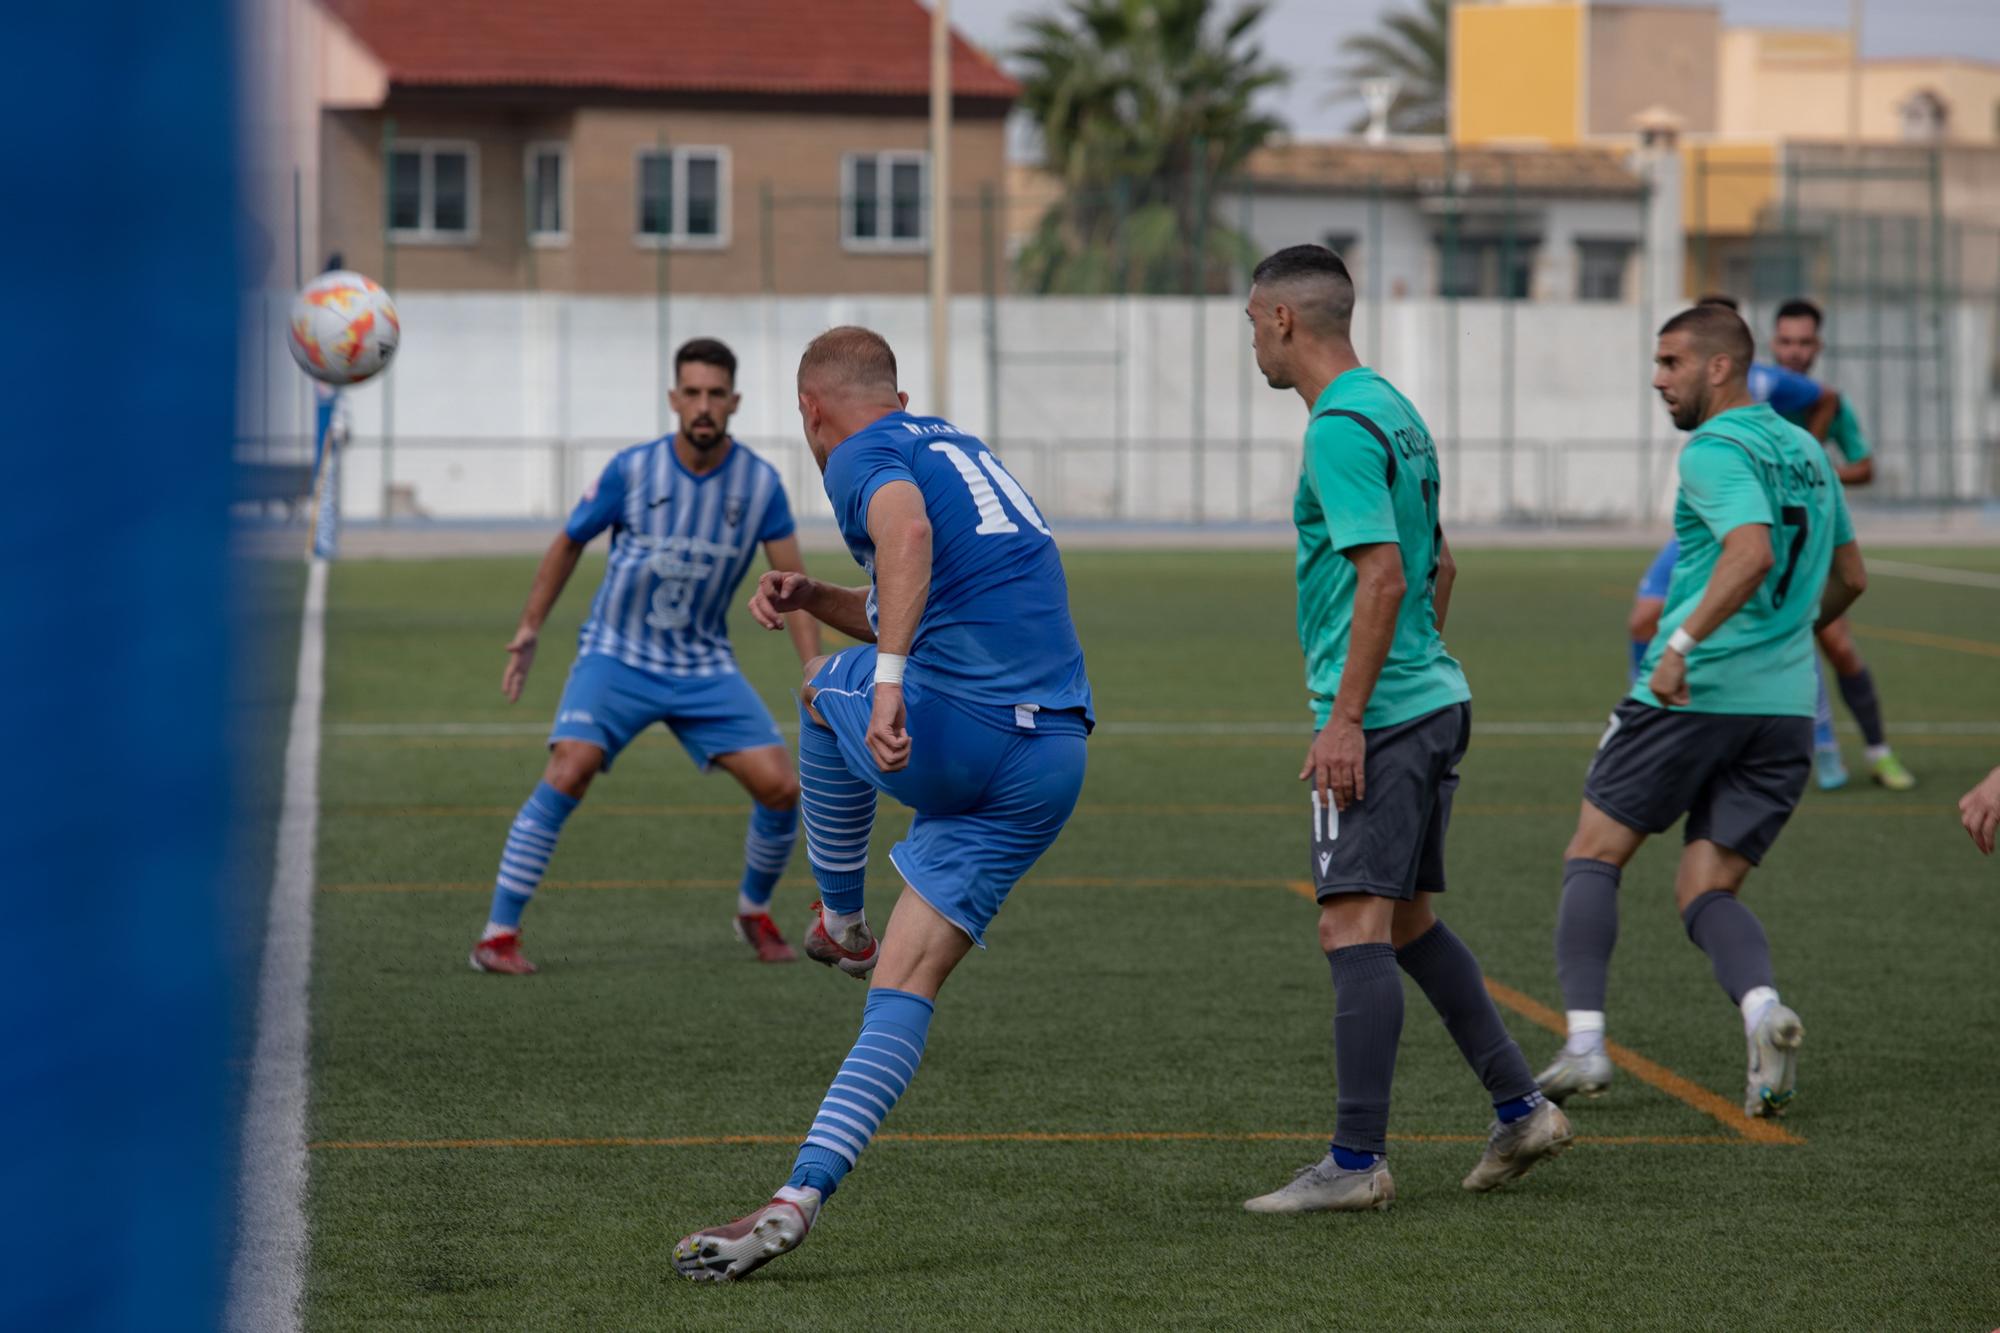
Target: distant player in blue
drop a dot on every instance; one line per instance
(967, 702)
(686, 513)
(1805, 402)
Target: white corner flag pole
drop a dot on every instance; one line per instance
(940, 209)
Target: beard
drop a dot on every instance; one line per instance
(703, 435)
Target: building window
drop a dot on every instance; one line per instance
(433, 191)
(1491, 267)
(883, 204)
(1340, 242)
(548, 194)
(1600, 270)
(684, 197)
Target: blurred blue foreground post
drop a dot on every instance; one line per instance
(120, 386)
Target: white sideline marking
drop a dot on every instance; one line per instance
(1962, 578)
(267, 1277)
(1301, 728)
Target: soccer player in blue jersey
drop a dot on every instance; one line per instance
(1796, 345)
(686, 513)
(967, 701)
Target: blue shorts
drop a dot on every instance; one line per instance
(1660, 573)
(992, 787)
(607, 703)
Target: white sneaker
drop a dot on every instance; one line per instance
(1570, 1073)
(1514, 1149)
(1328, 1187)
(1774, 1062)
(736, 1249)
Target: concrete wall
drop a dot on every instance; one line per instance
(1642, 56)
(1139, 409)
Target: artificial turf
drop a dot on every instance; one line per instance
(1154, 977)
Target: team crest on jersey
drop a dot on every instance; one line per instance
(732, 510)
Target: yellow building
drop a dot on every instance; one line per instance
(1754, 108)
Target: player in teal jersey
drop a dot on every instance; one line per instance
(1718, 726)
(1394, 715)
(1795, 345)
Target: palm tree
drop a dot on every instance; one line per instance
(1144, 106)
(1413, 49)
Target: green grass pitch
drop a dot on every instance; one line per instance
(1154, 978)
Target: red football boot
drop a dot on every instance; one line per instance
(501, 954)
(757, 930)
(854, 953)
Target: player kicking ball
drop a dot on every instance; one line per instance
(1395, 715)
(1719, 724)
(687, 513)
(968, 702)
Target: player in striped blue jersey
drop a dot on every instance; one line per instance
(686, 513)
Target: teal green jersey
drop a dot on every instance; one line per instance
(1844, 434)
(1749, 466)
(1370, 475)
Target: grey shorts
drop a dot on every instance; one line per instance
(1736, 777)
(1391, 843)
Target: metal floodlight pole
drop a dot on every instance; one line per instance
(940, 208)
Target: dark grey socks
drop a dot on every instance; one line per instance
(1732, 937)
(1367, 1025)
(1859, 692)
(1586, 931)
(1439, 962)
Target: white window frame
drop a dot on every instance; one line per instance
(428, 149)
(546, 240)
(885, 161)
(678, 238)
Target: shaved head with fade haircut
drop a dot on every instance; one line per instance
(1300, 309)
(1313, 281)
(847, 379)
(1715, 330)
(848, 359)
(1702, 363)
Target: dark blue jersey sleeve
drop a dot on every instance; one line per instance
(1786, 391)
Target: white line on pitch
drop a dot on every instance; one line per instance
(1961, 578)
(267, 1277)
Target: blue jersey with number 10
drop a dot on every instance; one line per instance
(996, 629)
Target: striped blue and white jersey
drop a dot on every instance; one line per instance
(680, 546)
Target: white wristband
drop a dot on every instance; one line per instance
(1682, 642)
(889, 668)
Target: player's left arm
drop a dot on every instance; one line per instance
(1857, 461)
(900, 527)
(785, 557)
(1719, 482)
(1847, 576)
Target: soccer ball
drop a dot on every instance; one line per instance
(344, 328)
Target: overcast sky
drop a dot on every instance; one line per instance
(1309, 31)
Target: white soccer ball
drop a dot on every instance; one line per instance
(344, 328)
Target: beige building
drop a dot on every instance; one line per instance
(626, 146)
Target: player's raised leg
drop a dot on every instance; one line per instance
(839, 819)
(1725, 929)
(1526, 1128)
(531, 841)
(765, 771)
(1857, 690)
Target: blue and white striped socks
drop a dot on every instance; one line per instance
(530, 843)
(839, 815)
(767, 850)
(894, 1026)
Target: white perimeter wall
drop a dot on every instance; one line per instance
(1143, 409)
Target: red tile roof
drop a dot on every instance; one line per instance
(748, 46)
